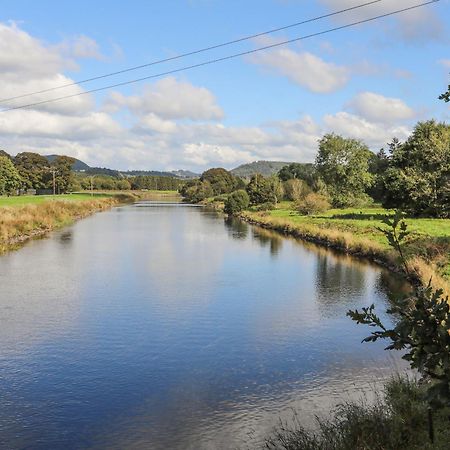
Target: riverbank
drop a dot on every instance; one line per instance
(354, 232)
(397, 419)
(30, 217)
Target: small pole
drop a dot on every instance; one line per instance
(54, 181)
(430, 425)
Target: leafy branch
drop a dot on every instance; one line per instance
(422, 328)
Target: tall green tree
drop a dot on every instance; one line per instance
(298, 171)
(221, 181)
(418, 176)
(261, 190)
(10, 179)
(34, 170)
(343, 164)
(62, 169)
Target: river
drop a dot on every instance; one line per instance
(166, 326)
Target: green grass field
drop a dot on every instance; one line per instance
(34, 199)
(364, 221)
(428, 244)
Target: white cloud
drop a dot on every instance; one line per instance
(28, 65)
(355, 127)
(377, 108)
(80, 47)
(305, 69)
(421, 24)
(171, 99)
(445, 63)
(40, 123)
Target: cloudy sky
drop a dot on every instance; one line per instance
(371, 82)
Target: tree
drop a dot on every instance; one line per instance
(446, 95)
(34, 170)
(260, 190)
(236, 202)
(221, 181)
(296, 189)
(313, 203)
(417, 179)
(195, 191)
(297, 171)
(62, 167)
(422, 324)
(343, 164)
(9, 176)
(3, 153)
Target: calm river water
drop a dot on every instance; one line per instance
(157, 326)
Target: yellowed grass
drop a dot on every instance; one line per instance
(19, 223)
(427, 272)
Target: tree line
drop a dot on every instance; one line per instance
(413, 176)
(31, 171)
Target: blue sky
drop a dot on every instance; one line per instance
(370, 82)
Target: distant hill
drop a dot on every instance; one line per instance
(77, 165)
(157, 173)
(80, 166)
(265, 168)
(185, 174)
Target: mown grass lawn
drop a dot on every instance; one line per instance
(364, 221)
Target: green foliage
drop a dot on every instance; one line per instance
(343, 164)
(313, 203)
(417, 179)
(62, 167)
(3, 153)
(194, 191)
(264, 168)
(295, 189)
(157, 183)
(236, 202)
(422, 327)
(10, 179)
(220, 180)
(34, 170)
(297, 171)
(446, 95)
(396, 420)
(261, 190)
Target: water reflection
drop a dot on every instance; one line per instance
(156, 326)
(236, 228)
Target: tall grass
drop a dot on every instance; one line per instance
(396, 420)
(22, 222)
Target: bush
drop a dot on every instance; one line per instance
(236, 202)
(268, 206)
(296, 190)
(313, 203)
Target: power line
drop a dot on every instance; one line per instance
(195, 52)
(225, 58)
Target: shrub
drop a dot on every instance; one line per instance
(236, 202)
(268, 206)
(313, 203)
(296, 190)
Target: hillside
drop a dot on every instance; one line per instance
(77, 166)
(265, 168)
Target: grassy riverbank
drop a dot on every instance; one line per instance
(22, 218)
(354, 231)
(397, 420)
